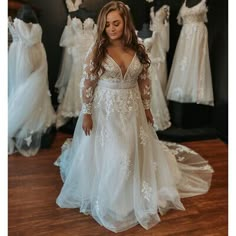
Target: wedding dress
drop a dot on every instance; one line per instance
(66, 62)
(80, 36)
(30, 111)
(66, 42)
(190, 76)
(160, 27)
(121, 174)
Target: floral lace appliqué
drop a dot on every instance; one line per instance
(143, 136)
(147, 191)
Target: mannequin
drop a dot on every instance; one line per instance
(159, 4)
(83, 14)
(192, 3)
(145, 32)
(27, 14)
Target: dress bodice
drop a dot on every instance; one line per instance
(113, 71)
(82, 27)
(27, 33)
(193, 14)
(112, 77)
(159, 18)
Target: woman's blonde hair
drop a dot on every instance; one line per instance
(129, 38)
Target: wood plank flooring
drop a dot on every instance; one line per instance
(34, 184)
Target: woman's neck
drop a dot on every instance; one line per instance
(116, 43)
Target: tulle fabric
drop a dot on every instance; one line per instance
(122, 174)
(30, 111)
(78, 38)
(158, 74)
(66, 62)
(190, 78)
(161, 41)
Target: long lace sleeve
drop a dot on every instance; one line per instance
(145, 88)
(87, 85)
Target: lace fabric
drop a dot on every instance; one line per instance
(121, 174)
(77, 38)
(113, 74)
(158, 77)
(190, 78)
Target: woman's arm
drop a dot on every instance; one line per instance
(87, 86)
(145, 91)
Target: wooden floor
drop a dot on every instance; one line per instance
(34, 184)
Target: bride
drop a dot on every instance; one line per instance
(115, 168)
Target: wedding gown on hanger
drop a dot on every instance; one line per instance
(157, 46)
(66, 63)
(66, 43)
(121, 174)
(190, 76)
(160, 26)
(30, 111)
(159, 107)
(81, 36)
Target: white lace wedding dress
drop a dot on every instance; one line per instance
(79, 37)
(66, 42)
(159, 107)
(190, 76)
(157, 47)
(160, 27)
(121, 174)
(66, 63)
(30, 111)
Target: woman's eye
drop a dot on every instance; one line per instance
(116, 24)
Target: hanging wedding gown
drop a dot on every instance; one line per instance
(159, 107)
(30, 111)
(160, 26)
(157, 46)
(82, 36)
(66, 64)
(121, 174)
(190, 76)
(66, 42)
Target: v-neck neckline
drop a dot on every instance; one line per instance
(123, 75)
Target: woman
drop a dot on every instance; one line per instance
(115, 168)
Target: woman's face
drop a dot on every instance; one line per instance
(114, 25)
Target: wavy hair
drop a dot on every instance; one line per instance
(129, 38)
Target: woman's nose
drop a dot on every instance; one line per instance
(112, 28)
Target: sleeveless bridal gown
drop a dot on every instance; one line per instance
(30, 112)
(80, 37)
(190, 76)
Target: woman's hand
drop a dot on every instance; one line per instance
(87, 124)
(149, 116)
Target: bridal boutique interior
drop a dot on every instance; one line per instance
(200, 126)
(190, 121)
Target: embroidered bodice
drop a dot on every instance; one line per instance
(159, 18)
(73, 6)
(79, 26)
(79, 34)
(114, 78)
(27, 33)
(195, 14)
